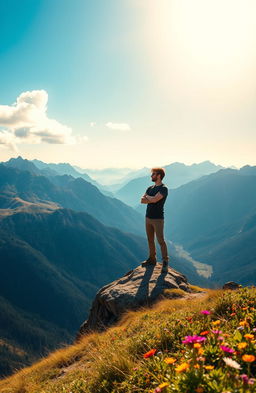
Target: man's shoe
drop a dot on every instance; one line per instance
(148, 262)
(164, 267)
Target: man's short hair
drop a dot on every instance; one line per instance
(159, 171)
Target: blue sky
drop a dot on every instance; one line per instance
(128, 83)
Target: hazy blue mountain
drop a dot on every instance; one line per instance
(51, 265)
(234, 257)
(176, 175)
(26, 165)
(63, 168)
(210, 205)
(66, 191)
(107, 176)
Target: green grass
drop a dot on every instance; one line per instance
(114, 361)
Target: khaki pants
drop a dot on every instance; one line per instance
(156, 226)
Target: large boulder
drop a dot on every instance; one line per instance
(139, 287)
(231, 285)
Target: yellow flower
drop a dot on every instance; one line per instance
(242, 345)
(182, 367)
(243, 323)
(163, 385)
(215, 323)
(170, 360)
(248, 358)
(249, 336)
(209, 367)
(200, 351)
(196, 366)
(197, 345)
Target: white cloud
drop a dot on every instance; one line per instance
(26, 121)
(118, 126)
(92, 124)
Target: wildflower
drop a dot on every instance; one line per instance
(243, 323)
(170, 360)
(233, 314)
(242, 345)
(220, 338)
(216, 331)
(249, 336)
(248, 358)
(205, 312)
(163, 386)
(149, 353)
(204, 333)
(209, 367)
(215, 323)
(232, 363)
(196, 366)
(193, 339)
(227, 349)
(197, 345)
(245, 378)
(199, 389)
(182, 367)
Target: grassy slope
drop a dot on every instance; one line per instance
(113, 361)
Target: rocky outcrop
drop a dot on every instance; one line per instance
(139, 287)
(231, 285)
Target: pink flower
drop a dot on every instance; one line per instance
(216, 331)
(193, 339)
(227, 349)
(244, 378)
(205, 312)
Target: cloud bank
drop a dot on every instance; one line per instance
(26, 121)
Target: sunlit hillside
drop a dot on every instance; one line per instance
(202, 344)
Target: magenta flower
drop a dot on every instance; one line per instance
(205, 312)
(227, 349)
(244, 378)
(193, 339)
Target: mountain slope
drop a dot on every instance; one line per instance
(153, 349)
(65, 191)
(51, 265)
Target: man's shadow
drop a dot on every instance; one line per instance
(143, 290)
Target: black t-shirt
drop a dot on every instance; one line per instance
(156, 210)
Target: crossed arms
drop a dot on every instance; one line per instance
(151, 199)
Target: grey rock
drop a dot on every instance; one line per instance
(231, 285)
(137, 288)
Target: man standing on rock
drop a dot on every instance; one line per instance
(155, 197)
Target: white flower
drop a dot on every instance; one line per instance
(232, 363)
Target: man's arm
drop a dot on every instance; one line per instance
(151, 199)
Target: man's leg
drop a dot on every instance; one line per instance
(159, 228)
(151, 238)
